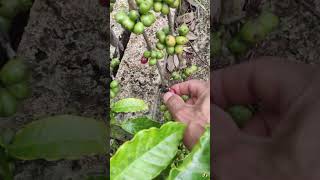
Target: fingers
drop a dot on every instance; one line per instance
(192, 88)
(173, 102)
(271, 81)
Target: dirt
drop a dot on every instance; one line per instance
(65, 45)
(296, 38)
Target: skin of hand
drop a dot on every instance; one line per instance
(195, 113)
(281, 141)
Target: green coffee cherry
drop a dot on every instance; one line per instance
(147, 54)
(112, 94)
(147, 19)
(161, 36)
(170, 50)
(167, 116)
(163, 108)
(185, 97)
(116, 90)
(166, 30)
(8, 104)
(160, 46)
(160, 55)
(178, 49)
(154, 54)
(170, 41)
(133, 15)
(20, 91)
(165, 9)
(268, 20)
(237, 46)
(152, 61)
(138, 28)
(240, 114)
(114, 62)
(252, 32)
(194, 68)
(121, 16)
(14, 71)
(181, 40)
(175, 4)
(145, 7)
(176, 76)
(183, 30)
(157, 6)
(114, 84)
(128, 24)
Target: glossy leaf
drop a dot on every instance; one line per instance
(129, 105)
(197, 164)
(60, 137)
(148, 153)
(137, 124)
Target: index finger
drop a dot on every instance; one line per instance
(193, 88)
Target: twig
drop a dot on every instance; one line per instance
(309, 8)
(5, 43)
(197, 54)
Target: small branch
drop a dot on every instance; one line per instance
(205, 62)
(145, 36)
(170, 23)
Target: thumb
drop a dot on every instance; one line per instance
(173, 102)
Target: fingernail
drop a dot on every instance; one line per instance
(167, 95)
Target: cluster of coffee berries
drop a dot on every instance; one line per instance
(164, 6)
(135, 21)
(152, 57)
(172, 44)
(185, 73)
(114, 63)
(253, 31)
(114, 88)
(9, 9)
(14, 76)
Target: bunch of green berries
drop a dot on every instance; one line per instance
(114, 88)
(114, 63)
(172, 44)
(185, 73)
(153, 56)
(15, 87)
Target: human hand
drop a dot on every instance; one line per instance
(281, 140)
(195, 113)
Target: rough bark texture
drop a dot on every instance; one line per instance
(65, 44)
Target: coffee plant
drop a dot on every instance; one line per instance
(155, 151)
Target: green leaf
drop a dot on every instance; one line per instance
(60, 137)
(197, 164)
(129, 105)
(148, 153)
(137, 124)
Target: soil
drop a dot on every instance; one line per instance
(65, 45)
(296, 38)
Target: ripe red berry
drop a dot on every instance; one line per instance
(144, 60)
(104, 3)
